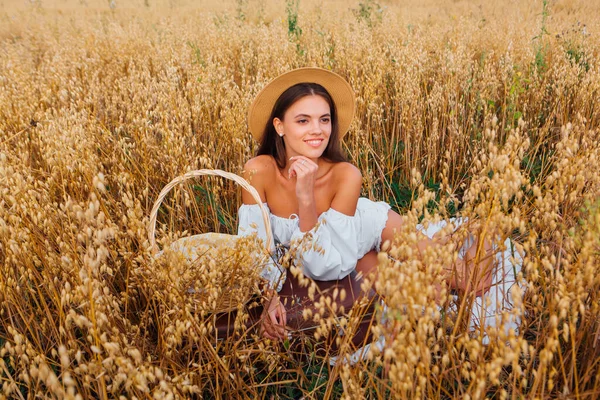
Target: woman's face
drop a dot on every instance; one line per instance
(306, 127)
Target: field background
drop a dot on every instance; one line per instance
(482, 109)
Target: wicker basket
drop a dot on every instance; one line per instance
(193, 247)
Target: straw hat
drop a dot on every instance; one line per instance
(339, 89)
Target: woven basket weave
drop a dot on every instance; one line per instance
(193, 247)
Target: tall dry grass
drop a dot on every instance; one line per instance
(488, 111)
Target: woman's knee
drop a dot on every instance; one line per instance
(393, 225)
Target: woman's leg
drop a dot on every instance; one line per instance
(367, 264)
(474, 272)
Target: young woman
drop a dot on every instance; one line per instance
(309, 188)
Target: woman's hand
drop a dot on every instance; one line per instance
(274, 319)
(479, 267)
(472, 272)
(305, 171)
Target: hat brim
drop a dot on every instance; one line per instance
(339, 89)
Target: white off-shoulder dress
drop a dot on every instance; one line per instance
(338, 240)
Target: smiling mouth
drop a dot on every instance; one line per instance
(314, 142)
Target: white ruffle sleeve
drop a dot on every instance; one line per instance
(329, 251)
(251, 222)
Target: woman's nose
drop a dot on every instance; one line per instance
(315, 128)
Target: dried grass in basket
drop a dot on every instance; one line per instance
(216, 267)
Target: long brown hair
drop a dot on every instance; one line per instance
(273, 144)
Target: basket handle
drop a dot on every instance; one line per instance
(215, 172)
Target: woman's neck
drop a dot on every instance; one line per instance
(323, 164)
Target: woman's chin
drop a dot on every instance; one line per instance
(313, 153)
(308, 153)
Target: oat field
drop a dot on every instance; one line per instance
(464, 108)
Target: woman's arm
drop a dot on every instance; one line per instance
(274, 317)
(304, 170)
(346, 180)
(472, 272)
(328, 251)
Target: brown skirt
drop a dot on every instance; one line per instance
(357, 305)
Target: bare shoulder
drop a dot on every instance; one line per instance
(258, 171)
(347, 174)
(262, 163)
(348, 181)
(259, 167)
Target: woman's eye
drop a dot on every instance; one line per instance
(302, 121)
(325, 120)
